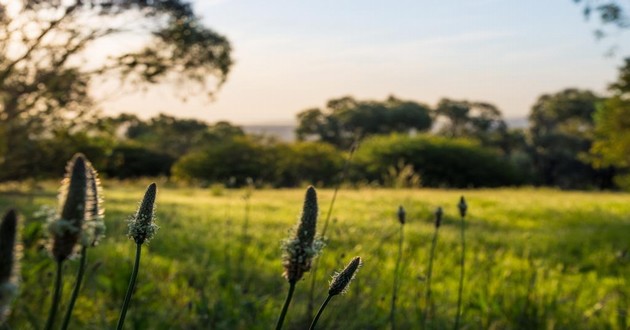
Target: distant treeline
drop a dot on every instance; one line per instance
(401, 143)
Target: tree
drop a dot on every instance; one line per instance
(346, 119)
(46, 75)
(610, 13)
(611, 146)
(561, 129)
(479, 120)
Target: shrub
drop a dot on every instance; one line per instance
(130, 161)
(312, 162)
(234, 160)
(440, 162)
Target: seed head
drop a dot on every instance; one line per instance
(402, 215)
(462, 207)
(8, 260)
(299, 251)
(94, 227)
(66, 229)
(142, 225)
(438, 217)
(341, 280)
(8, 229)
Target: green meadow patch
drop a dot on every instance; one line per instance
(535, 258)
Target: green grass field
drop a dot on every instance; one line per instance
(536, 259)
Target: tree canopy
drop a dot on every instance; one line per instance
(47, 69)
(347, 119)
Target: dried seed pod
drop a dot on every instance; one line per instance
(299, 251)
(402, 215)
(462, 207)
(341, 280)
(66, 229)
(438, 217)
(8, 262)
(142, 225)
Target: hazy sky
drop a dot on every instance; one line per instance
(291, 55)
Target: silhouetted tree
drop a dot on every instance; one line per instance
(561, 129)
(346, 119)
(43, 45)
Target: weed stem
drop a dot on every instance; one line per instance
(286, 306)
(77, 287)
(319, 313)
(54, 306)
(132, 283)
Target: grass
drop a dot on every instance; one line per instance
(535, 258)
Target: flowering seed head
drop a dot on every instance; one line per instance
(8, 229)
(438, 217)
(94, 227)
(462, 207)
(142, 226)
(299, 251)
(66, 230)
(341, 280)
(402, 215)
(8, 260)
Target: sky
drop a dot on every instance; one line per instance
(294, 55)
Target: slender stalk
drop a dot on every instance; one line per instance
(461, 275)
(392, 315)
(427, 308)
(342, 178)
(319, 313)
(54, 306)
(285, 308)
(132, 283)
(77, 288)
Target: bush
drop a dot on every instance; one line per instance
(231, 161)
(129, 161)
(312, 162)
(440, 162)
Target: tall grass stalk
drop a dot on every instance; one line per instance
(428, 306)
(342, 178)
(142, 227)
(401, 220)
(299, 250)
(462, 206)
(338, 285)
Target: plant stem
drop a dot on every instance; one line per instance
(392, 315)
(461, 275)
(54, 306)
(77, 287)
(287, 301)
(319, 313)
(132, 283)
(342, 178)
(429, 274)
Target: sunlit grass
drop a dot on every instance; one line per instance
(536, 258)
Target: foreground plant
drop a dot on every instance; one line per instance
(8, 262)
(438, 222)
(142, 227)
(402, 215)
(339, 285)
(299, 251)
(66, 227)
(462, 206)
(93, 231)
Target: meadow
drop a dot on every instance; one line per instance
(535, 259)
